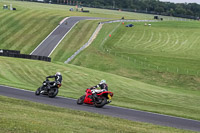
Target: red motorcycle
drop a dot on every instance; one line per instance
(103, 98)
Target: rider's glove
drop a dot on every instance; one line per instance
(92, 88)
(103, 90)
(93, 91)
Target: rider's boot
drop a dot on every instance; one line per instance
(109, 102)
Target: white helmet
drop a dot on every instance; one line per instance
(102, 81)
(58, 73)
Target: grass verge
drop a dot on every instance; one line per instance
(23, 116)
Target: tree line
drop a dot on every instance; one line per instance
(187, 10)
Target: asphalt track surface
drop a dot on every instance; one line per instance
(46, 47)
(130, 114)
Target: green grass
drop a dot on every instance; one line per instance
(129, 93)
(140, 65)
(77, 37)
(23, 116)
(165, 54)
(26, 27)
(163, 39)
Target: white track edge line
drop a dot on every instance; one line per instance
(49, 35)
(62, 39)
(44, 40)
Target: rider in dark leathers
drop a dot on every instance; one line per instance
(58, 79)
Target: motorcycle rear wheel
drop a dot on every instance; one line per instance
(102, 103)
(81, 100)
(52, 95)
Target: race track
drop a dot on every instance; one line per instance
(130, 114)
(47, 46)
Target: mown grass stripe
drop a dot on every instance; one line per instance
(39, 37)
(34, 74)
(149, 46)
(15, 41)
(164, 44)
(26, 35)
(154, 41)
(11, 72)
(3, 16)
(5, 24)
(173, 44)
(140, 39)
(15, 25)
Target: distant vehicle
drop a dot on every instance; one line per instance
(156, 17)
(40, 0)
(71, 9)
(129, 25)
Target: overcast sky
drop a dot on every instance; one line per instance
(183, 1)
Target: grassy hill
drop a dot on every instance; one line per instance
(29, 74)
(165, 54)
(26, 27)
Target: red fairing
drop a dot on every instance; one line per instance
(88, 95)
(87, 100)
(105, 92)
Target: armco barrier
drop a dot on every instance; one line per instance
(16, 54)
(9, 51)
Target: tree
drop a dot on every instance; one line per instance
(180, 10)
(159, 9)
(156, 6)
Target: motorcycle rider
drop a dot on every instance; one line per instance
(102, 85)
(58, 79)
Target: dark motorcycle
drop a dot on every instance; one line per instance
(103, 98)
(46, 89)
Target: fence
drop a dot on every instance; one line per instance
(128, 20)
(144, 64)
(16, 54)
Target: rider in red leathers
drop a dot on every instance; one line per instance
(102, 85)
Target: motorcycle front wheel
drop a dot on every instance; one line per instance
(81, 100)
(37, 92)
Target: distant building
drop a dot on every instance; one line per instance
(40, 0)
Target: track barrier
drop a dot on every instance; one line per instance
(16, 54)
